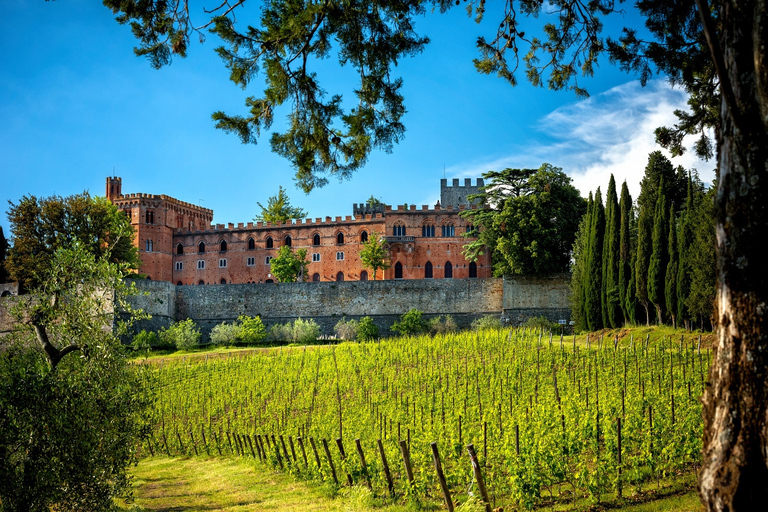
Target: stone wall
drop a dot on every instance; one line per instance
(158, 298)
(526, 297)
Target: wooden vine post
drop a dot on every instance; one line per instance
(441, 477)
(479, 477)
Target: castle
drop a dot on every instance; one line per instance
(178, 243)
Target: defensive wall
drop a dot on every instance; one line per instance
(513, 298)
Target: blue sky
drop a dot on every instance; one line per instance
(77, 105)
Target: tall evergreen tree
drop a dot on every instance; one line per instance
(670, 279)
(657, 264)
(578, 270)
(610, 291)
(3, 252)
(593, 304)
(684, 241)
(625, 256)
(701, 300)
(630, 300)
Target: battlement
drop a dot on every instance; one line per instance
(480, 182)
(123, 198)
(318, 222)
(366, 209)
(456, 194)
(438, 208)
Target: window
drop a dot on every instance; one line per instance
(472, 269)
(149, 245)
(364, 275)
(470, 228)
(428, 270)
(180, 249)
(149, 217)
(315, 256)
(223, 246)
(223, 281)
(200, 282)
(316, 239)
(200, 264)
(364, 236)
(222, 263)
(339, 256)
(398, 230)
(179, 265)
(316, 277)
(268, 259)
(250, 261)
(149, 278)
(201, 247)
(251, 244)
(340, 276)
(179, 283)
(288, 240)
(340, 238)
(269, 281)
(448, 269)
(428, 230)
(398, 270)
(269, 242)
(448, 230)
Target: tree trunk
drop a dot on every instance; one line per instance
(734, 474)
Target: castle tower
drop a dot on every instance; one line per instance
(114, 187)
(456, 195)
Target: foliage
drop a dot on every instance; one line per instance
(541, 323)
(279, 209)
(439, 325)
(486, 322)
(71, 406)
(373, 201)
(145, 341)
(701, 301)
(252, 330)
(346, 329)
(367, 330)
(610, 290)
(593, 309)
(289, 266)
(528, 220)
(41, 226)
(375, 254)
(298, 331)
(578, 284)
(657, 265)
(626, 229)
(410, 324)
(225, 333)
(3, 255)
(670, 278)
(183, 335)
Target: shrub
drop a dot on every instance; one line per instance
(486, 322)
(183, 335)
(440, 326)
(410, 323)
(540, 322)
(225, 334)
(252, 330)
(367, 330)
(346, 329)
(281, 332)
(145, 341)
(305, 331)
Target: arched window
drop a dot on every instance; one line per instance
(179, 283)
(448, 270)
(316, 239)
(149, 278)
(201, 247)
(398, 270)
(200, 282)
(428, 270)
(269, 281)
(428, 230)
(223, 281)
(180, 249)
(340, 276)
(364, 275)
(472, 269)
(251, 244)
(149, 246)
(364, 236)
(316, 277)
(288, 240)
(398, 229)
(270, 243)
(6, 293)
(149, 217)
(448, 230)
(340, 238)
(223, 246)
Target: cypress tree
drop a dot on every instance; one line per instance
(3, 252)
(642, 257)
(670, 280)
(625, 256)
(594, 274)
(685, 239)
(657, 264)
(630, 300)
(610, 290)
(578, 270)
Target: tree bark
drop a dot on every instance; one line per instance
(734, 474)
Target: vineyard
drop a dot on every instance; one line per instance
(548, 420)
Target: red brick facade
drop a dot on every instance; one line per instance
(178, 243)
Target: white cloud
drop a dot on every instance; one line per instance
(611, 133)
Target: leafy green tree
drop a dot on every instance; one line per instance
(40, 226)
(373, 201)
(579, 269)
(183, 335)
(367, 330)
(657, 264)
(3, 254)
(252, 329)
(411, 323)
(289, 266)
(375, 254)
(610, 290)
(279, 209)
(594, 272)
(625, 250)
(673, 267)
(225, 333)
(72, 408)
(528, 222)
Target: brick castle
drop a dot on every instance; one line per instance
(178, 243)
